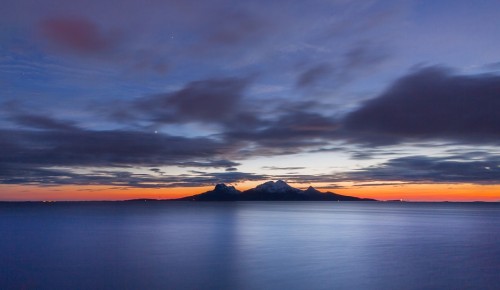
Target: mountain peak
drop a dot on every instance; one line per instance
(275, 187)
(311, 189)
(279, 181)
(222, 188)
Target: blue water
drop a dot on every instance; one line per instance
(250, 245)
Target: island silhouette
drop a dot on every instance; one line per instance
(270, 191)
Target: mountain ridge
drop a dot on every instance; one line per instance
(270, 191)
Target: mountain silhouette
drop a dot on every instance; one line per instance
(270, 191)
(221, 192)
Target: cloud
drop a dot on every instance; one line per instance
(358, 59)
(424, 169)
(55, 155)
(78, 35)
(235, 27)
(45, 151)
(80, 147)
(494, 66)
(312, 75)
(431, 103)
(283, 168)
(207, 100)
(471, 168)
(212, 164)
(288, 133)
(119, 178)
(41, 122)
(362, 56)
(278, 128)
(221, 104)
(218, 100)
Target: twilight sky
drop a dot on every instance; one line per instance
(124, 99)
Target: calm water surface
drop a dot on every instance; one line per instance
(250, 245)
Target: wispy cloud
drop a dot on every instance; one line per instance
(78, 35)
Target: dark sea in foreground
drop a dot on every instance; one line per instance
(249, 245)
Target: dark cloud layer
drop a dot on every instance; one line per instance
(431, 103)
(44, 151)
(428, 104)
(280, 128)
(424, 169)
(81, 147)
(55, 177)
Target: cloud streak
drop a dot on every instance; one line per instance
(82, 147)
(119, 178)
(424, 169)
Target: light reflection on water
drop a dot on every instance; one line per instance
(250, 245)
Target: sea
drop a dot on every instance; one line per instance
(249, 245)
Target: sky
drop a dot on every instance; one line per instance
(110, 100)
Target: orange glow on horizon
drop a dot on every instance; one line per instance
(408, 192)
(91, 193)
(426, 192)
